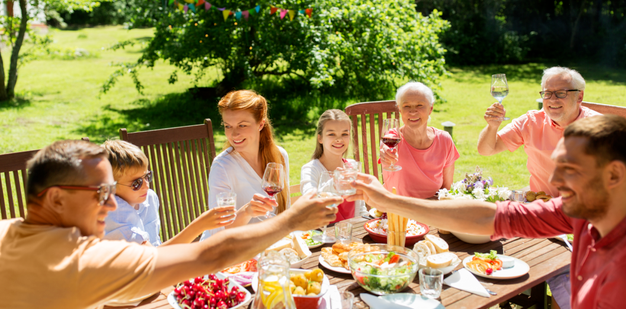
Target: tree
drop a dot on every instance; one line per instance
(16, 40)
(356, 46)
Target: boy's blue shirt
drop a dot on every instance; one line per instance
(133, 225)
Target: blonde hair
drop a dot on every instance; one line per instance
(256, 104)
(331, 114)
(124, 157)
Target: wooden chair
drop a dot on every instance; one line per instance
(180, 160)
(606, 109)
(13, 177)
(366, 127)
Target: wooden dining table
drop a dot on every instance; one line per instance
(546, 258)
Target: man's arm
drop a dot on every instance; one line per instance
(469, 216)
(489, 143)
(177, 263)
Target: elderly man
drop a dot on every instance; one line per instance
(538, 131)
(590, 174)
(56, 258)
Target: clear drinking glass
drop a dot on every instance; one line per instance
(273, 290)
(431, 282)
(227, 199)
(499, 89)
(273, 183)
(343, 231)
(518, 196)
(345, 176)
(326, 188)
(390, 135)
(347, 300)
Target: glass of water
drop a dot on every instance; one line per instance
(227, 199)
(347, 299)
(431, 282)
(326, 187)
(343, 231)
(345, 176)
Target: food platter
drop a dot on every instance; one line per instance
(171, 297)
(336, 269)
(372, 212)
(312, 232)
(519, 269)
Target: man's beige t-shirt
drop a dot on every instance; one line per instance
(51, 267)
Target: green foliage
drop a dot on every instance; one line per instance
(359, 48)
(132, 13)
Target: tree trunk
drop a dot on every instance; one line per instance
(16, 51)
(3, 89)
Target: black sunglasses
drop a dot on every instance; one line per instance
(104, 190)
(138, 183)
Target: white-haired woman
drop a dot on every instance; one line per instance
(426, 154)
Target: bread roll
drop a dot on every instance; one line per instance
(430, 245)
(439, 260)
(440, 244)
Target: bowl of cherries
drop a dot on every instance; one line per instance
(209, 292)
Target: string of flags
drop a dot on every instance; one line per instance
(194, 5)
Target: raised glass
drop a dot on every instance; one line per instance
(499, 89)
(390, 136)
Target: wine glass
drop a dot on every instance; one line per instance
(273, 183)
(326, 188)
(499, 89)
(390, 136)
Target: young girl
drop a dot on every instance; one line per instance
(333, 139)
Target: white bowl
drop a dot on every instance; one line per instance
(171, 298)
(471, 238)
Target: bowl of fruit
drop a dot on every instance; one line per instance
(383, 269)
(214, 291)
(307, 287)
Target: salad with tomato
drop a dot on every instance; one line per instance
(383, 273)
(484, 263)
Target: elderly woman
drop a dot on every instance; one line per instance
(426, 154)
(239, 168)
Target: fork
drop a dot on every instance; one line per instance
(564, 238)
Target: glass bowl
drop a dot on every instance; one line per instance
(376, 269)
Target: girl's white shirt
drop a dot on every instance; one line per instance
(230, 172)
(309, 176)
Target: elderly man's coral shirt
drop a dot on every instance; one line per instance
(539, 135)
(598, 268)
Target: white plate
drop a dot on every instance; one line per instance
(324, 287)
(373, 213)
(519, 269)
(413, 301)
(171, 298)
(301, 262)
(337, 269)
(299, 233)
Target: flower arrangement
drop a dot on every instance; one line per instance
(475, 187)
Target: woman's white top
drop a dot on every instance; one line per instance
(309, 176)
(230, 172)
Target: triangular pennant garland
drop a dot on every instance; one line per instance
(238, 15)
(245, 14)
(192, 4)
(292, 14)
(192, 7)
(273, 10)
(207, 6)
(200, 2)
(309, 12)
(226, 13)
(185, 8)
(283, 12)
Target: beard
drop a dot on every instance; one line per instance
(594, 206)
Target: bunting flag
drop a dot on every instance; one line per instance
(193, 4)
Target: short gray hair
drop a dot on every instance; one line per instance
(577, 82)
(415, 86)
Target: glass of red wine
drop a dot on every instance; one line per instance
(273, 183)
(390, 136)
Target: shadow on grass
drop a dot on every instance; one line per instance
(532, 72)
(15, 103)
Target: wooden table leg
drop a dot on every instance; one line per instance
(537, 298)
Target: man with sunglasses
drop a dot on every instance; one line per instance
(55, 258)
(539, 131)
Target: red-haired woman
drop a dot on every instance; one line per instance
(248, 149)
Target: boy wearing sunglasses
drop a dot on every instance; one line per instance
(137, 216)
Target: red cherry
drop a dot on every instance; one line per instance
(489, 271)
(241, 296)
(222, 305)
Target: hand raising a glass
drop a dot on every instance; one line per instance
(273, 183)
(390, 137)
(326, 187)
(499, 90)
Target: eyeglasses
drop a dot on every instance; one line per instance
(138, 183)
(104, 190)
(561, 94)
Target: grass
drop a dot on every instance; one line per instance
(59, 99)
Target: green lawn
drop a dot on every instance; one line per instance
(58, 99)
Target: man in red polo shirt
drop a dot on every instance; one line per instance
(538, 130)
(590, 175)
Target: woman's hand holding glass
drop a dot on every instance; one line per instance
(390, 138)
(260, 205)
(273, 183)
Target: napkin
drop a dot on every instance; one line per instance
(464, 280)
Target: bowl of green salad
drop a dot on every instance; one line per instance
(383, 269)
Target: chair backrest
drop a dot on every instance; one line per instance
(366, 126)
(13, 177)
(606, 109)
(180, 160)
